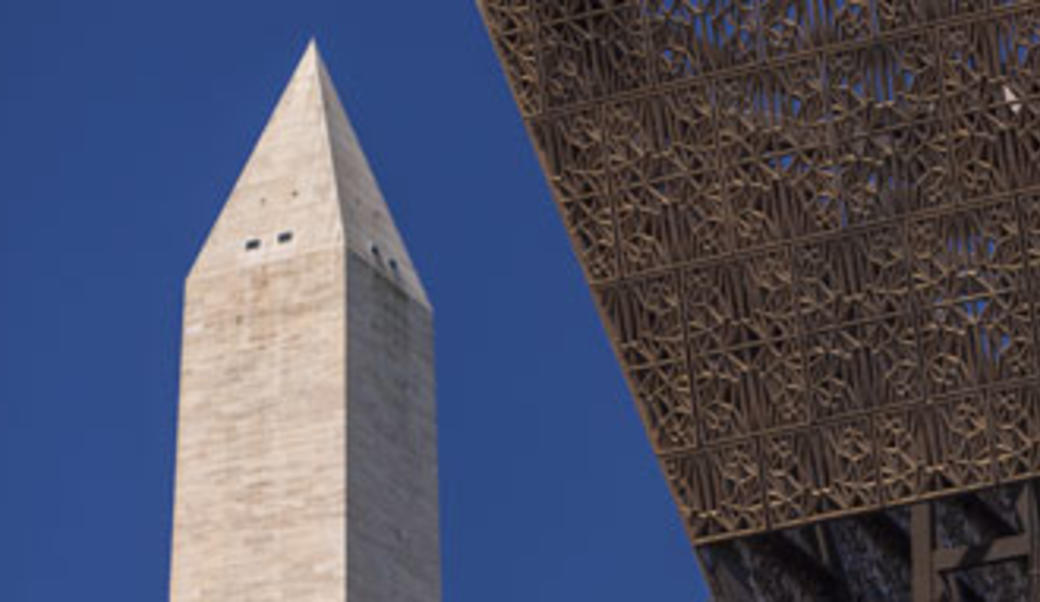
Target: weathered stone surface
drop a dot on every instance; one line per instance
(306, 458)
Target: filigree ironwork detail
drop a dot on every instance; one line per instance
(813, 233)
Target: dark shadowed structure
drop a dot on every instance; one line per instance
(812, 229)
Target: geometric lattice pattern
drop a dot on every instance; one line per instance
(812, 228)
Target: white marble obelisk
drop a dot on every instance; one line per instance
(306, 452)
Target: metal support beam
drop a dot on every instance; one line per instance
(922, 545)
(998, 550)
(812, 565)
(936, 570)
(1029, 512)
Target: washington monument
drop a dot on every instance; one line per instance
(306, 452)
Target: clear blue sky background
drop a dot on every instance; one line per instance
(123, 125)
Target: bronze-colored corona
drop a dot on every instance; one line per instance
(812, 229)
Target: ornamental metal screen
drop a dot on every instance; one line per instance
(812, 229)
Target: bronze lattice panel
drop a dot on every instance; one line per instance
(812, 228)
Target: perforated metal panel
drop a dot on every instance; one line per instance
(812, 229)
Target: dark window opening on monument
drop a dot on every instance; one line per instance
(252, 244)
(285, 237)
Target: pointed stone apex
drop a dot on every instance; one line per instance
(309, 61)
(312, 52)
(369, 228)
(308, 174)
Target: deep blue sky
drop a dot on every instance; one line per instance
(123, 125)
